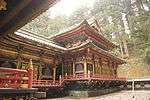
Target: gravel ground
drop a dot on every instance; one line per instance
(122, 95)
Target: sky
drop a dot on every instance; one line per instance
(67, 7)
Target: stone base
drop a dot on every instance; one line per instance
(40, 95)
(91, 93)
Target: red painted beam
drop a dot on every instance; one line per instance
(12, 70)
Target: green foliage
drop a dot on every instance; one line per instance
(140, 33)
(80, 14)
(140, 27)
(46, 26)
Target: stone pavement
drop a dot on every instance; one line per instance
(122, 95)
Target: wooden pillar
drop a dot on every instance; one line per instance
(54, 70)
(115, 70)
(108, 64)
(62, 69)
(94, 65)
(100, 65)
(40, 71)
(54, 73)
(98, 68)
(111, 66)
(93, 69)
(73, 66)
(19, 62)
(30, 74)
(85, 67)
(20, 51)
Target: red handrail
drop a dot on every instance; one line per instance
(14, 78)
(79, 76)
(2, 69)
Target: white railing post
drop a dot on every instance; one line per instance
(74, 75)
(60, 79)
(88, 74)
(66, 75)
(133, 85)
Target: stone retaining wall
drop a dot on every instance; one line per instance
(91, 93)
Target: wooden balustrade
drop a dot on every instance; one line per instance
(16, 78)
(13, 78)
(79, 76)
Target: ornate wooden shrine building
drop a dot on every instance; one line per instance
(87, 51)
(27, 60)
(79, 53)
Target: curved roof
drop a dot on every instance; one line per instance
(38, 38)
(88, 30)
(92, 46)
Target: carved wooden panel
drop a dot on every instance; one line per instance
(35, 72)
(78, 59)
(105, 69)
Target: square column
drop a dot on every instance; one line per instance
(85, 68)
(73, 68)
(93, 69)
(54, 73)
(62, 69)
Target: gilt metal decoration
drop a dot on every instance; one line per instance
(3, 5)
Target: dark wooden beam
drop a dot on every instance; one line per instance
(13, 43)
(32, 44)
(28, 13)
(14, 11)
(9, 53)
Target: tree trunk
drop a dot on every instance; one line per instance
(125, 47)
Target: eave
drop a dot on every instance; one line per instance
(20, 12)
(34, 37)
(99, 37)
(73, 30)
(97, 51)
